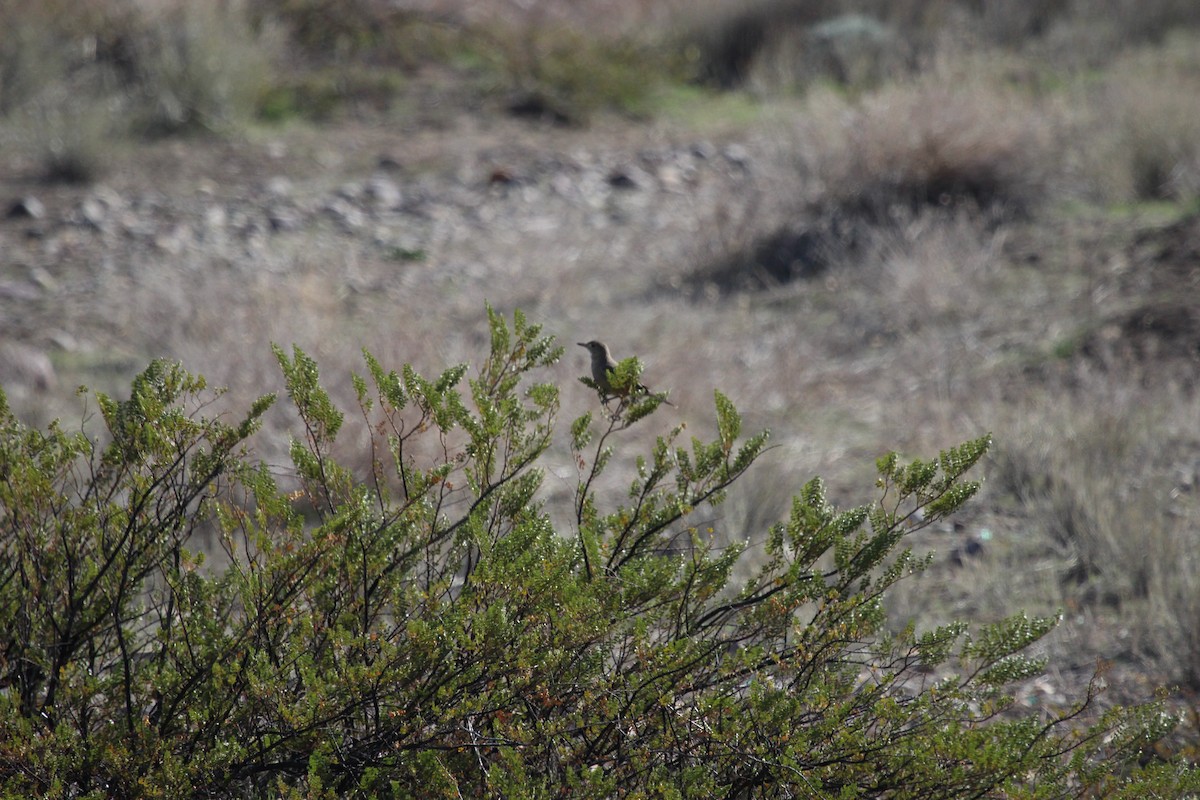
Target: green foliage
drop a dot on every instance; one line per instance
(429, 629)
(112, 636)
(572, 74)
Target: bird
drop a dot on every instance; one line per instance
(602, 365)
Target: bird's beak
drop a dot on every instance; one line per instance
(582, 344)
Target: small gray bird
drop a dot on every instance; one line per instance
(602, 363)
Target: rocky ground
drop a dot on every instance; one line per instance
(179, 235)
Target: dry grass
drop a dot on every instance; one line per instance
(70, 129)
(1145, 142)
(1103, 484)
(946, 139)
(954, 143)
(202, 66)
(58, 108)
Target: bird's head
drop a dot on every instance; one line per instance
(595, 347)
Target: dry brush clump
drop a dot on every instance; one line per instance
(987, 134)
(955, 144)
(201, 66)
(70, 128)
(937, 142)
(1139, 137)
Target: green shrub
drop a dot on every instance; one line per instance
(337, 28)
(425, 629)
(571, 75)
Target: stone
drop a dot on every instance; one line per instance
(27, 208)
(383, 193)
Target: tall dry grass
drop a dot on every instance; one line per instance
(1138, 136)
(202, 66)
(937, 141)
(1105, 483)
